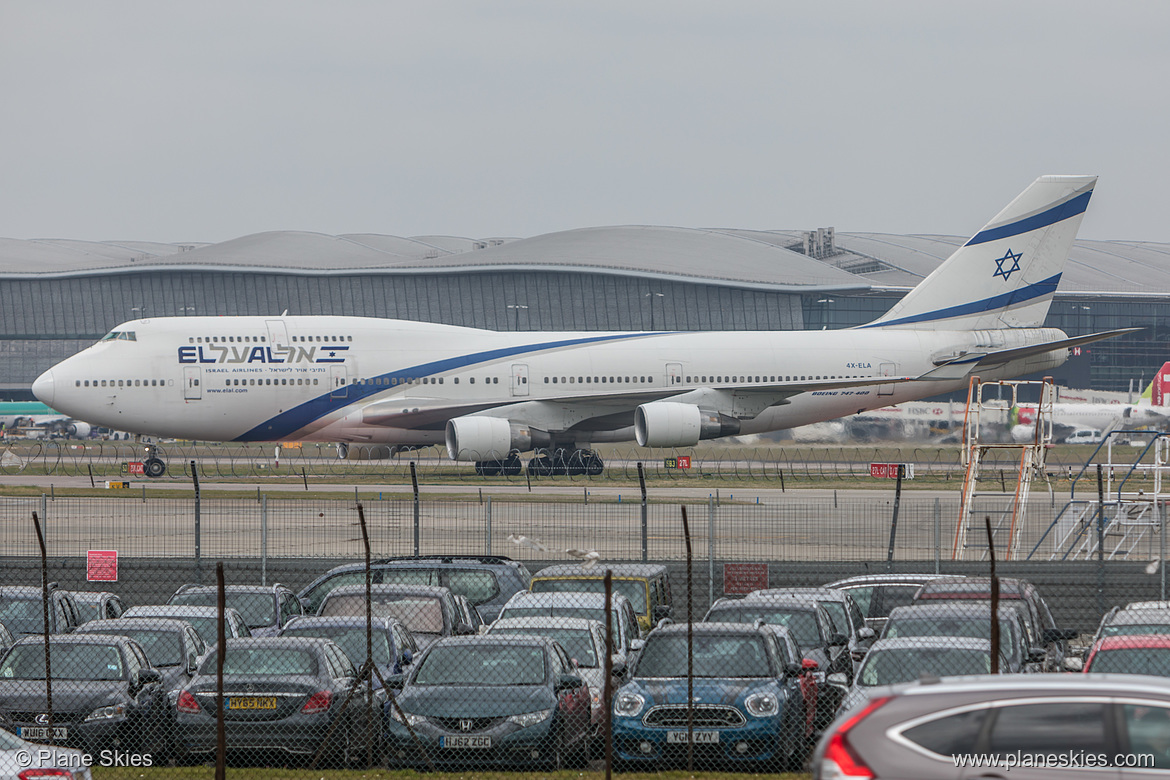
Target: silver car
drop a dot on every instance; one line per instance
(20, 759)
(1023, 727)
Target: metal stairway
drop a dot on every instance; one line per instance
(1005, 509)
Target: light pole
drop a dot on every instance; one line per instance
(652, 296)
(516, 307)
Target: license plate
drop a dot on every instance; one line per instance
(465, 742)
(251, 703)
(42, 732)
(701, 737)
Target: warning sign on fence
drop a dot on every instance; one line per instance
(742, 578)
(101, 566)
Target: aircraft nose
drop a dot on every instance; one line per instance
(43, 388)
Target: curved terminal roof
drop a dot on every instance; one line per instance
(770, 260)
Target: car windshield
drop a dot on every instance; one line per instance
(263, 661)
(713, 656)
(69, 662)
(22, 616)
(974, 627)
(421, 614)
(578, 642)
(889, 667)
(257, 609)
(352, 641)
(634, 590)
(492, 665)
(1133, 660)
(1130, 630)
(163, 648)
(801, 624)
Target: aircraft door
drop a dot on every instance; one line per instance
(192, 383)
(674, 374)
(887, 369)
(519, 379)
(339, 381)
(277, 333)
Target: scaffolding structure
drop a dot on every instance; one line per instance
(1006, 510)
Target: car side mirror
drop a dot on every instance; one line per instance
(464, 630)
(637, 644)
(569, 682)
(396, 682)
(1074, 663)
(407, 657)
(866, 633)
(1037, 655)
(838, 678)
(837, 640)
(793, 670)
(660, 612)
(192, 665)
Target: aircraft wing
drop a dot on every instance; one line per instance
(963, 365)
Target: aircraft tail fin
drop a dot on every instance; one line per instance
(1006, 274)
(1157, 393)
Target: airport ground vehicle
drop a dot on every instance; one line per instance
(430, 612)
(281, 693)
(265, 608)
(486, 700)
(924, 730)
(106, 694)
(391, 644)
(746, 711)
(203, 619)
(488, 581)
(646, 585)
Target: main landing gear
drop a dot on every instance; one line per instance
(153, 466)
(546, 463)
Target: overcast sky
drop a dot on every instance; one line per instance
(204, 121)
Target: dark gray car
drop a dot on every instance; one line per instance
(172, 646)
(966, 619)
(1024, 727)
(265, 608)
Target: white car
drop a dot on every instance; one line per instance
(17, 756)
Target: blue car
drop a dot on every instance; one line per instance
(745, 711)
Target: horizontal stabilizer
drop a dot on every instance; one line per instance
(962, 366)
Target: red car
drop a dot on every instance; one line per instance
(1132, 654)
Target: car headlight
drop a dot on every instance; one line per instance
(596, 694)
(411, 718)
(105, 713)
(530, 718)
(628, 705)
(762, 705)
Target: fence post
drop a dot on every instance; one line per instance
(487, 549)
(198, 530)
(264, 540)
(414, 482)
(645, 531)
(45, 513)
(710, 550)
(1162, 545)
(937, 533)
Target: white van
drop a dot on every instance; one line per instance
(1084, 436)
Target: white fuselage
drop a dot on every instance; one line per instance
(354, 379)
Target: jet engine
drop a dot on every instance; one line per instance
(347, 451)
(669, 424)
(79, 430)
(491, 438)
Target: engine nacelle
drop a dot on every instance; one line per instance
(490, 438)
(669, 424)
(79, 430)
(348, 451)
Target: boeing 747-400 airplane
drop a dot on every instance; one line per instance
(373, 384)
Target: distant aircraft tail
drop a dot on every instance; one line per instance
(1158, 391)
(1005, 276)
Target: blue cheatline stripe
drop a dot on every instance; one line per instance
(1022, 295)
(287, 423)
(1070, 208)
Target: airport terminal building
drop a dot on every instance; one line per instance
(59, 296)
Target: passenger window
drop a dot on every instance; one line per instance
(1052, 727)
(948, 735)
(407, 577)
(1149, 732)
(478, 587)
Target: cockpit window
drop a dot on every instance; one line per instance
(120, 335)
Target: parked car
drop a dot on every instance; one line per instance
(471, 617)
(428, 611)
(745, 712)
(7, 640)
(926, 730)
(1042, 629)
(1131, 654)
(801, 679)
(487, 581)
(967, 619)
(489, 701)
(97, 605)
(846, 615)
(281, 693)
(106, 695)
(893, 661)
(877, 594)
(171, 646)
(646, 585)
(265, 608)
(1128, 621)
(203, 619)
(23, 760)
(590, 606)
(22, 610)
(391, 644)
(584, 641)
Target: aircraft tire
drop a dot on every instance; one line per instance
(154, 468)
